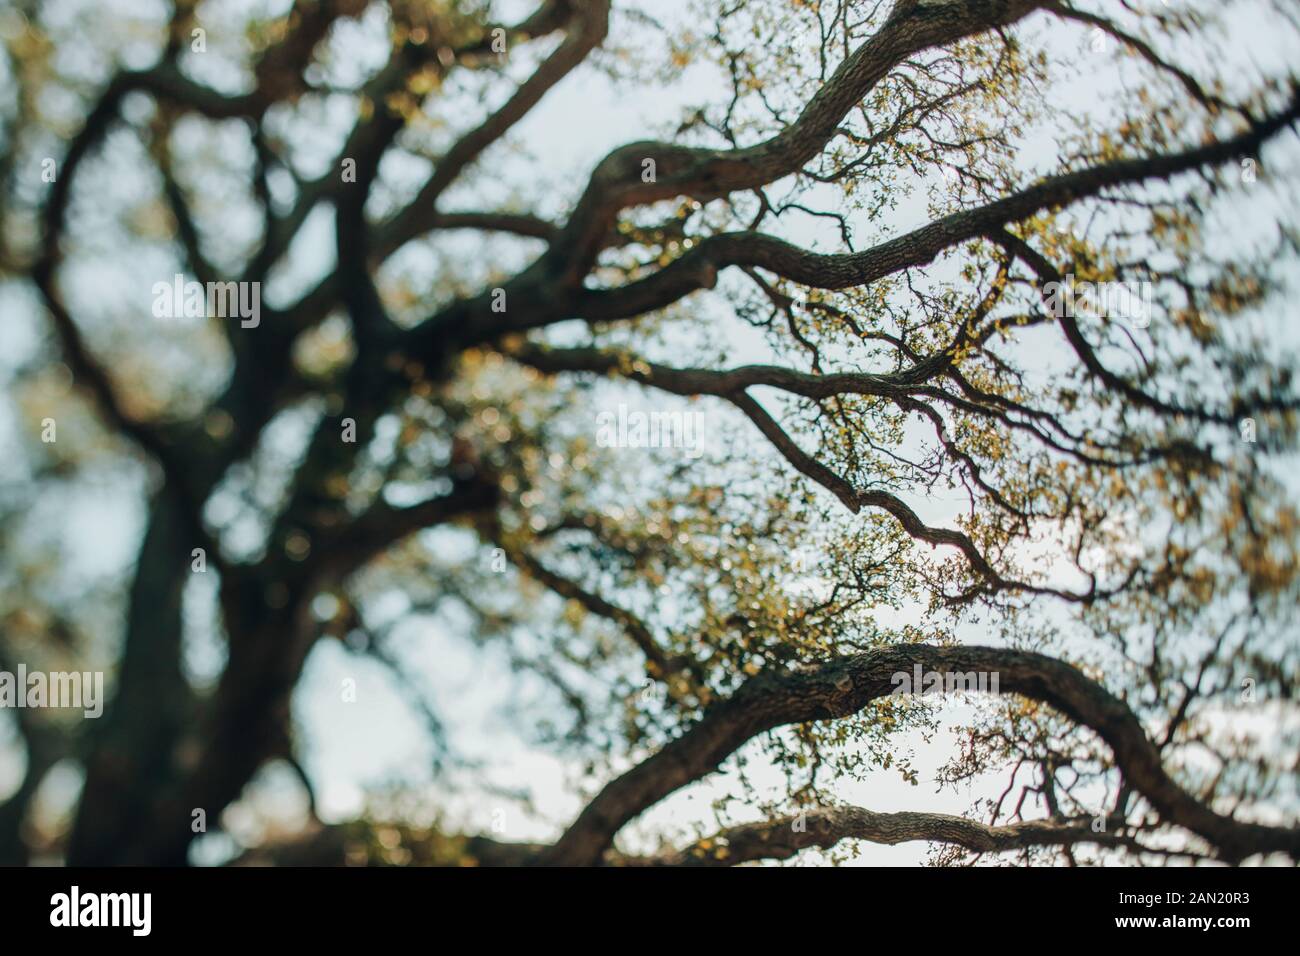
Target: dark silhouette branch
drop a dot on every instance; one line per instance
(845, 686)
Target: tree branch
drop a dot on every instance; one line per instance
(844, 686)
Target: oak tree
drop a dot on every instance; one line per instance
(932, 344)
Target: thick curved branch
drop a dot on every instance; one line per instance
(545, 291)
(846, 685)
(708, 173)
(699, 268)
(824, 827)
(778, 839)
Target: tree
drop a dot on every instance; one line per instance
(935, 405)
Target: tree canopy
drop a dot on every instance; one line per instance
(917, 345)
